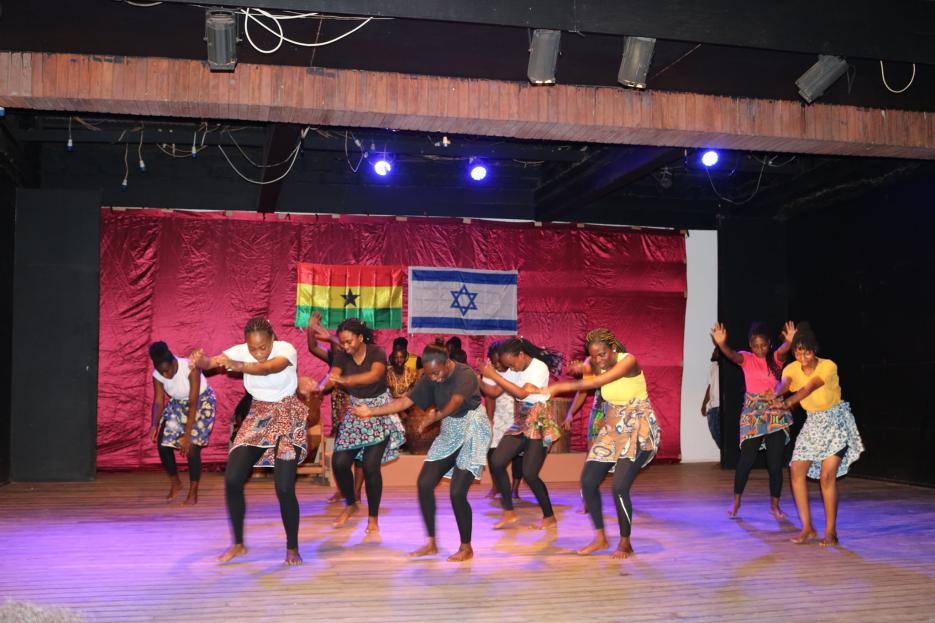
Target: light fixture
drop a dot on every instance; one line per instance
(665, 178)
(543, 56)
(825, 72)
(709, 158)
(637, 55)
(478, 170)
(69, 144)
(222, 37)
(382, 167)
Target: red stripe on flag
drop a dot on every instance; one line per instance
(342, 274)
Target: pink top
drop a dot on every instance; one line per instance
(756, 374)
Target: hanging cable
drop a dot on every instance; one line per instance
(293, 155)
(891, 89)
(250, 16)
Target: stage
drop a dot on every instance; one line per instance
(113, 550)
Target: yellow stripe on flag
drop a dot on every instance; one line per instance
(313, 295)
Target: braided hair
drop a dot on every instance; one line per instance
(259, 325)
(805, 338)
(159, 352)
(357, 327)
(554, 360)
(604, 336)
(760, 328)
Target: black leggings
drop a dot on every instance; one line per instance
(624, 473)
(341, 465)
(775, 447)
(167, 458)
(239, 466)
(533, 458)
(516, 465)
(431, 474)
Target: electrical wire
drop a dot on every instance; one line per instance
(250, 16)
(891, 89)
(347, 156)
(737, 202)
(294, 155)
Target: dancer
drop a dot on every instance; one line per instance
(829, 440)
(183, 416)
(500, 411)
(627, 442)
(316, 333)
(360, 369)
(459, 451)
(763, 425)
(595, 416)
(401, 377)
(533, 429)
(274, 433)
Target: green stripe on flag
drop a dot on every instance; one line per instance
(331, 317)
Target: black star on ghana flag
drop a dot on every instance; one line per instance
(350, 298)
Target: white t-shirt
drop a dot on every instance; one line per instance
(502, 415)
(178, 386)
(537, 374)
(714, 385)
(270, 387)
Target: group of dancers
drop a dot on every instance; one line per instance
(367, 400)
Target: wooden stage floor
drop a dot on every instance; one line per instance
(112, 550)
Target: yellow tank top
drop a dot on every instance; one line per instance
(626, 388)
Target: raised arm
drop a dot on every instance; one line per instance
(316, 333)
(788, 332)
(625, 367)
(719, 335)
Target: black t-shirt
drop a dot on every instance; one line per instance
(348, 366)
(461, 381)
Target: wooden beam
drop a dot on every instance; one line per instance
(184, 88)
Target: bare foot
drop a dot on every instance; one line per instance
(830, 540)
(546, 523)
(175, 487)
(464, 553)
(335, 497)
(234, 551)
(191, 500)
(372, 526)
(804, 536)
(509, 518)
(624, 549)
(777, 512)
(293, 558)
(429, 549)
(599, 543)
(347, 513)
(732, 513)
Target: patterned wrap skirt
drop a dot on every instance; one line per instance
(826, 433)
(356, 433)
(534, 419)
(629, 428)
(175, 417)
(280, 427)
(339, 402)
(761, 417)
(596, 417)
(471, 433)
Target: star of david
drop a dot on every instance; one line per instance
(350, 298)
(456, 303)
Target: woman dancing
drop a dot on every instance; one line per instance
(627, 442)
(460, 450)
(274, 433)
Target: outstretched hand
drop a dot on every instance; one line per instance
(719, 334)
(316, 329)
(788, 331)
(196, 356)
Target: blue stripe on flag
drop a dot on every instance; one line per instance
(439, 322)
(463, 277)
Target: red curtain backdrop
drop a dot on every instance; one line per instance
(194, 279)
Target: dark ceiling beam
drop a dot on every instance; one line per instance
(418, 145)
(278, 158)
(606, 171)
(860, 28)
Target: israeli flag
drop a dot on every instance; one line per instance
(462, 300)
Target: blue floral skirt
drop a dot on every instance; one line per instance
(826, 433)
(175, 417)
(471, 434)
(358, 433)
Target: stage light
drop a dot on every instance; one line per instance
(709, 158)
(825, 72)
(543, 56)
(2, 111)
(222, 37)
(124, 184)
(478, 169)
(382, 167)
(637, 55)
(69, 145)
